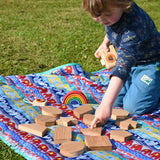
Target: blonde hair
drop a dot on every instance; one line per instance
(98, 7)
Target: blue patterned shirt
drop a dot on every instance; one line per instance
(136, 39)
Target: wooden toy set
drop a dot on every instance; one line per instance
(50, 87)
(94, 140)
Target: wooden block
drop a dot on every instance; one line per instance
(52, 111)
(119, 114)
(39, 102)
(88, 118)
(121, 135)
(92, 131)
(62, 134)
(45, 120)
(126, 123)
(72, 149)
(99, 143)
(84, 109)
(108, 59)
(33, 128)
(67, 121)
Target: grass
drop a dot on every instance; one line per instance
(37, 35)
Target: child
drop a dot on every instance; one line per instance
(135, 80)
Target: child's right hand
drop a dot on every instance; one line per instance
(102, 114)
(104, 45)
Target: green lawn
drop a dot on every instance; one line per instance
(37, 35)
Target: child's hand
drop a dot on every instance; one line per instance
(102, 114)
(105, 46)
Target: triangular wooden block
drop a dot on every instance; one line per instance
(72, 148)
(33, 128)
(45, 120)
(52, 111)
(92, 131)
(99, 143)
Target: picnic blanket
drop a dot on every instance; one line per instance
(16, 91)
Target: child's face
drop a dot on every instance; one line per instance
(110, 18)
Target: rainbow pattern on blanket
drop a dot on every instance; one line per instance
(53, 86)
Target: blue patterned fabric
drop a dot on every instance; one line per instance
(16, 93)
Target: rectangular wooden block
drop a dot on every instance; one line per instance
(33, 128)
(84, 109)
(99, 143)
(121, 135)
(62, 134)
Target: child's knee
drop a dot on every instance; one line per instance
(139, 108)
(132, 108)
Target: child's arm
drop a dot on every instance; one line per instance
(104, 45)
(103, 112)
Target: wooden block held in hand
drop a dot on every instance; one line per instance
(99, 143)
(72, 148)
(39, 102)
(67, 121)
(92, 131)
(52, 111)
(45, 120)
(119, 114)
(33, 128)
(84, 109)
(62, 134)
(121, 135)
(108, 59)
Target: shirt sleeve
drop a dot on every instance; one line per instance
(126, 55)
